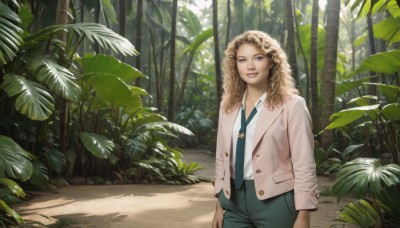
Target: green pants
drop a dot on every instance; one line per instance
(244, 210)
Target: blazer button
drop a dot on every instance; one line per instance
(226, 154)
(261, 192)
(258, 171)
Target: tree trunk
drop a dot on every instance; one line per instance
(329, 75)
(218, 74)
(122, 20)
(314, 67)
(97, 9)
(62, 19)
(260, 2)
(372, 50)
(138, 38)
(228, 23)
(240, 16)
(172, 62)
(291, 40)
(157, 79)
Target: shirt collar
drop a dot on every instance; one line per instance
(258, 103)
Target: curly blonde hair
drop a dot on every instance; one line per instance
(280, 80)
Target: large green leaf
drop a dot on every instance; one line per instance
(40, 175)
(391, 92)
(56, 160)
(384, 62)
(388, 198)
(199, 40)
(190, 21)
(172, 126)
(351, 149)
(345, 86)
(99, 145)
(360, 213)
(146, 118)
(14, 160)
(364, 176)
(13, 187)
(57, 78)
(96, 33)
(394, 8)
(388, 29)
(391, 112)
(111, 90)
(364, 100)
(109, 65)
(8, 210)
(10, 34)
(348, 116)
(32, 98)
(108, 11)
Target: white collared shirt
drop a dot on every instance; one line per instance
(248, 150)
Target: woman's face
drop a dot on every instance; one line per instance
(253, 65)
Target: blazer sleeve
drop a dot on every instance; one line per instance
(301, 144)
(219, 156)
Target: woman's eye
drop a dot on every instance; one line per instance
(241, 60)
(259, 58)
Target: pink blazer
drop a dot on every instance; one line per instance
(283, 154)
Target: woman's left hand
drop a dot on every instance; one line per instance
(303, 219)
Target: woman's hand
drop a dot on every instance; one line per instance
(303, 219)
(218, 216)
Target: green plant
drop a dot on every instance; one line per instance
(198, 123)
(366, 179)
(14, 163)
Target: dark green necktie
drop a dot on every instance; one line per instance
(240, 145)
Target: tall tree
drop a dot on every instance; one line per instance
(314, 67)
(216, 53)
(62, 19)
(240, 17)
(172, 62)
(97, 10)
(122, 19)
(138, 38)
(329, 75)
(372, 51)
(291, 42)
(228, 23)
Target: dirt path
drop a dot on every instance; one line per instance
(144, 206)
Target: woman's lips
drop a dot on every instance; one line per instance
(251, 75)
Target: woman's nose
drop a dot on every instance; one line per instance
(250, 65)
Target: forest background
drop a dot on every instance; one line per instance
(105, 90)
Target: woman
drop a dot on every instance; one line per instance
(265, 169)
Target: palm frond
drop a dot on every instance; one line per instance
(96, 33)
(10, 32)
(32, 100)
(8, 210)
(172, 126)
(364, 176)
(14, 160)
(98, 145)
(360, 213)
(57, 78)
(13, 187)
(40, 175)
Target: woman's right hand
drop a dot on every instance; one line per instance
(218, 216)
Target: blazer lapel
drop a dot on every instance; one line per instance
(228, 122)
(265, 120)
